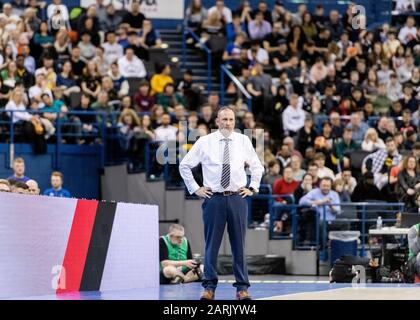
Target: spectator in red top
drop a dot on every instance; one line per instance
(143, 101)
(286, 185)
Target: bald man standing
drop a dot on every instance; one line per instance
(223, 155)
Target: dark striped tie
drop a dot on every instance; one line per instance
(226, 166)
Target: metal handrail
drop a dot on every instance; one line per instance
(186, 31)
(236, 82)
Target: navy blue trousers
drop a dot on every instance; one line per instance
(217, 212)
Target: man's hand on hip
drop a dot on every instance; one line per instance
(245, 192)
(204, 192)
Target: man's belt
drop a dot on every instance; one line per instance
(226, 193)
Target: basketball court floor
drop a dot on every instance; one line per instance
(262, 288)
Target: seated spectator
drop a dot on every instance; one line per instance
(408, 32)
(22, 72)
(160, 79)
(128, 124)
(19, 187)
(296, 39)
(382, 103)
(381, 161)
(406, 123)
(348, 180)
(256, 54)
(66, 80)
(284, 155)
(306, 135)
(195, 14)
(290, 142)
(39, 87)
(293, 117)
(57, 7)
(176, 261)
(372, 142)
(110, 20)
(107, 85)
(296, 164)
(33, 187)
(130, 66)
(207, 116)
(120, 83)
(305, 186)
(87, 49)
(211, 25)
(259, 28)
(232, 29)
(17, 104)
(272, 174)
(85, 122)
(318, 71)
(77, 65)
(223, 10)
(323, 171)
(338, 186)
(43, 37)
(18, 168)
(9, 75)
(286, 185)
(168, 99)
(149, 37)
(408, 100)
(57, 189)
(134, 18)
(366, 189)
(191, 92)
(232, 53)
(91, 80)
(112, 49)
(4, 186)
(358, 127)
(325, 201)
(280, 57)
(408, 184)
(143, 100)
(166, 131)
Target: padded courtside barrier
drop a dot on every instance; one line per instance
(56, 245)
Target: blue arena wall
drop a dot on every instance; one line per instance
(80, 165)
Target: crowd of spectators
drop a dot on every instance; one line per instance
(323, 89)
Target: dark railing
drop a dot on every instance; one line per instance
(225, 71)
(187, 31)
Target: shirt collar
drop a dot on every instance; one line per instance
(220, 136)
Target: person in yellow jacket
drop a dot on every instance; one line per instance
(161, 79)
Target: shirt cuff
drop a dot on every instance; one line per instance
(193, 188)
(254, 185)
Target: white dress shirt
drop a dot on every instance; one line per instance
(209, 149)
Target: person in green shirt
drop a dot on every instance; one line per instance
(346, 145)
(168, 99)
(382, 104)
(175, 256)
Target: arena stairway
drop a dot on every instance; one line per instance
(118, 185)
(196, 60)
